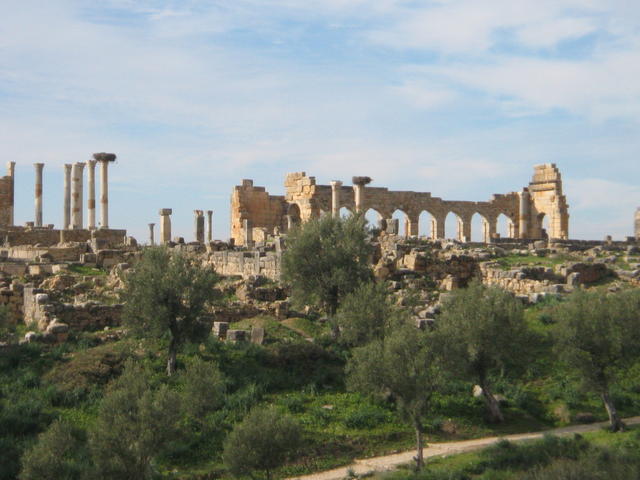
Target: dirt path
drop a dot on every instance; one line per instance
(390, 462)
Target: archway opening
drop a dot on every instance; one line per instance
(504, 226)
(452, 226)
(345, 212)
(293, 216)
(543, 221)
(426, 225)
(402, 222)
(479, 229)
(373, 219)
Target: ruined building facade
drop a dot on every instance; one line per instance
(255, 213)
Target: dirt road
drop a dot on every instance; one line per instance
(390, 462)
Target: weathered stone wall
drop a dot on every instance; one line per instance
(304, 199)
(246, 264)
(256, 205)
(46, 237)
(41, 310)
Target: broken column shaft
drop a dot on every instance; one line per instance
(336, 186)
(76, 195)
(91, 194)
(38, 194)
(358, 190)
(11, 170)
(104, 159)
(66, 217)
(209, 225)
(199, 225)
(151, 234)
(165, 225)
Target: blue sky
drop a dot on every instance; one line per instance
(457, 97)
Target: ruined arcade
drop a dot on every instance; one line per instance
(255, 213)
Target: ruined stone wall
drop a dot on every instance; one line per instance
(304, 199)
(246, 264)
(548, 201)
(46, 237)
(256, 205)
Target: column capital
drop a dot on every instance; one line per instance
(92, 163)
(39, 165)
(165, 211)
(335, 183)
(209, 212)
(67, 167)
(79, 165)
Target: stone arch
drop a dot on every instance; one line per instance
(292, 218)
(505, 226)
(481, 228)
(374, 218)
(403, 221)
(542, 226)
(427, 224)
(453, 225)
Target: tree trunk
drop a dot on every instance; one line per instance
(617, 424)
(493, 407)
(419, 446)
(173, 352)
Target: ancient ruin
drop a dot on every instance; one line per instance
(255, 213)
(637, 225)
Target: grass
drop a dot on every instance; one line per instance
(85, 270)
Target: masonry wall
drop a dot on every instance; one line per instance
(255, 204)
(246, 264)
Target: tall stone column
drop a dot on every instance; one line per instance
(209, 225)
(199, 225)
(104, 159)
(524, 215)
(637, 225)
(152, 241)
(336, 186)
(38, 194)
(91, 194)
(165, 225)
(66, 214)
(358, 190)
(76, 195)
(11, 172)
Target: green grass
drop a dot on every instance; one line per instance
(85, 270)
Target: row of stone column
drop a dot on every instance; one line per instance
(73, 193)
(358, 194)
(165, 226)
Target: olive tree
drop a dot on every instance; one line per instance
(326, 259)
(482, 332)
(168, 293)
(405, 365)
(596, 335)
(262, 441)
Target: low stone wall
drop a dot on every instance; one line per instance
(41, 310)
(522, 281)
(246, 264)
(12, 298)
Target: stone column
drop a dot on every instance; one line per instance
(413, 226)
(66, 214)
(38, 194)
(290, 224)
(358, 191)
(524, 213)
(209, 225)
(336, 186)
(165, 225)
(11, 172)
(152, 240)
(199, 225)
(91, 194)
(465, 223)
(104, 159)
(247, 230)
(76, 195)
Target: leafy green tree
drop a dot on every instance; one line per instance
(135, 426)
(366, 314)
(262, 441)
(59, 454)
(596, 335)
(482, 332)
(404, 365)
(203, 388)
(326, 259)
(168, 293)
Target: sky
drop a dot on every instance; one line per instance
(460, 98)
